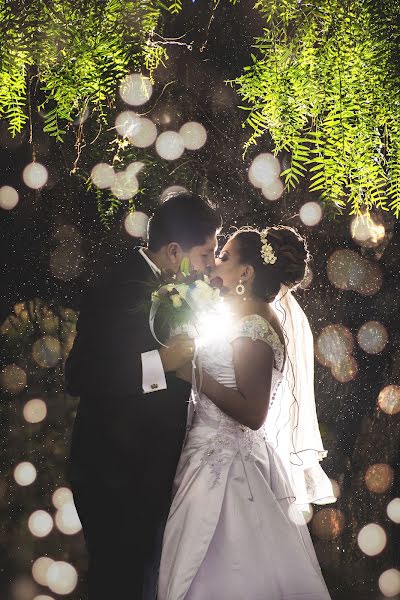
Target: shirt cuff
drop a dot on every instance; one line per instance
(153, 376)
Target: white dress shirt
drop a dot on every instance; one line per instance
(153, 375)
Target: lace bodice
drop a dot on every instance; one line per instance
(216, 357)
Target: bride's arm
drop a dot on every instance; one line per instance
(248, 404)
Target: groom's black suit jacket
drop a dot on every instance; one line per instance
(125, 444)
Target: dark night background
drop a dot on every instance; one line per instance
(356, 434)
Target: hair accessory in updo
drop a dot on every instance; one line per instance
(267, 252)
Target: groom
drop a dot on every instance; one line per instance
(131, 419)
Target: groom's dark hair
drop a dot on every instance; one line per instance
(185, 218)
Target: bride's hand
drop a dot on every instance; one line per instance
(185, 372)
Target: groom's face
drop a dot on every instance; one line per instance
(202, 258)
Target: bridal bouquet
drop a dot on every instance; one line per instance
(181, 298)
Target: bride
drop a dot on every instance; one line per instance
(250, 462)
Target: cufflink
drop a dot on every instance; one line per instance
(154, 386)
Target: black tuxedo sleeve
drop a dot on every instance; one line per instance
(112, 333)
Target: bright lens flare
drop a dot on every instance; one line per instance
(212, 326)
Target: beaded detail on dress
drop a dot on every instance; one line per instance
(230, 436)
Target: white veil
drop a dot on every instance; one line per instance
(292, 425)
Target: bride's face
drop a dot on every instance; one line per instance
(228, 267)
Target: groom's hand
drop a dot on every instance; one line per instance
(180, 350)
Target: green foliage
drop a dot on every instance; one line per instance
(325, 83)
(68, 55)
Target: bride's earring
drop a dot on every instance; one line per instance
(240, 289)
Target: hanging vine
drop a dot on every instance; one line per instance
(325, 83)
(72, 54)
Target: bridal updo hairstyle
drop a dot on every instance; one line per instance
(290, 267)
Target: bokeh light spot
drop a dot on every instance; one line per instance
(25, 473)
(328, 523)
(372, 337)
(13, 379)
(35, 410)
(367, 230)
(46, 351)
(264, 170)
(135, 89)
(125, 185)
(61, 496)
(393, 510)
(273, 191)
(389, 583)
(40, 523)
(379, 478)
(62, 578)
(194, 135)
(40, 568)
(35, 175)
(311, 213)
(170, 145)
(389, 399)
(67, 519)
(371, 539)
(136, 224)
(102, 175)
(8, 197)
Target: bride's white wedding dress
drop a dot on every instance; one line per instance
(234, 531)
